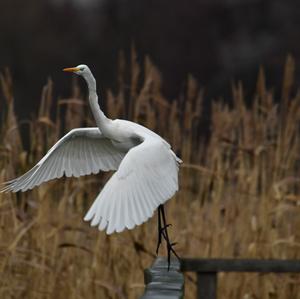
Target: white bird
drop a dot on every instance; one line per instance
(146, 168)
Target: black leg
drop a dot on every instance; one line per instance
(159, 229)
(164, 232)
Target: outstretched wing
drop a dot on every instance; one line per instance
(146, 178)
(80, 152)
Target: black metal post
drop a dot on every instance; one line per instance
(206, 285)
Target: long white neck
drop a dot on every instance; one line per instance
(101, 120)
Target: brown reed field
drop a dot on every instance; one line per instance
(239, 191)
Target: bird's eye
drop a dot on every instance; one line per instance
(82, 69)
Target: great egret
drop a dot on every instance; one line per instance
(146, 168)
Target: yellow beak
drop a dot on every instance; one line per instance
(71, 69)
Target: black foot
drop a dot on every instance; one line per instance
(160, 234)
(170, 249)
(163, 232)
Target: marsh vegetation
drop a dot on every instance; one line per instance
(239, 190)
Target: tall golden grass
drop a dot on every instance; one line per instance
(239, 191)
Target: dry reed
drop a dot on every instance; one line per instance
(239, 192)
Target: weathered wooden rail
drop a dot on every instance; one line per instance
(161, 283)
(207, 270)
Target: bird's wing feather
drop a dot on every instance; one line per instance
(80, 152)
(146, 178)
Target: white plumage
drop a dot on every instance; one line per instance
(146, 167)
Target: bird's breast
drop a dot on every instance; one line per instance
(124, 145)
(122, 136)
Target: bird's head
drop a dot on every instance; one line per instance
(80, 69)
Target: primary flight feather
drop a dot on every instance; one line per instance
(146, 168)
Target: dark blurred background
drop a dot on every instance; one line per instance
(216, 41)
